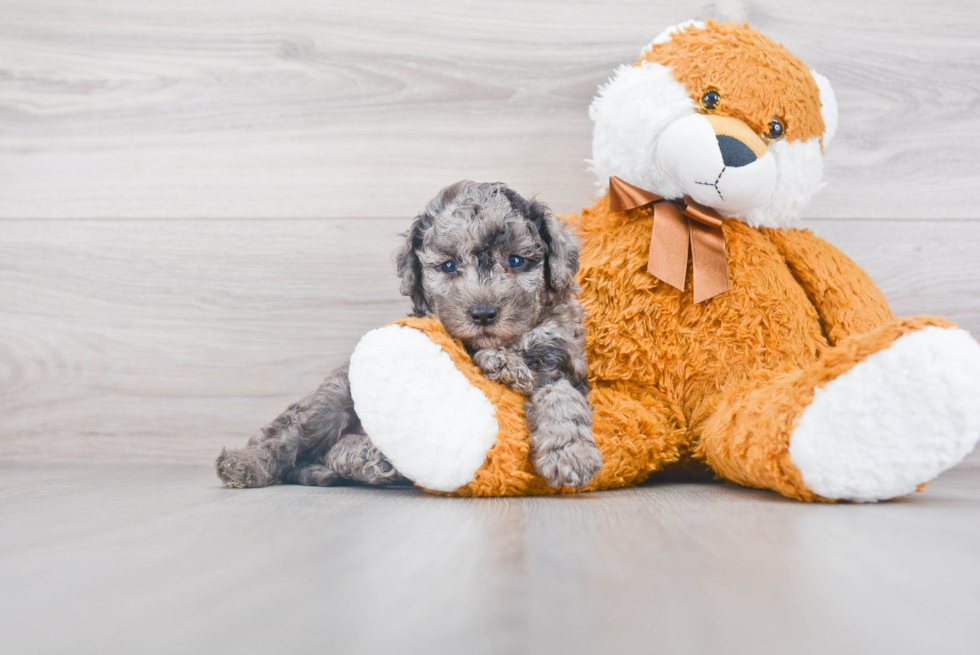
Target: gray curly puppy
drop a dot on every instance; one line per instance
(499, 272)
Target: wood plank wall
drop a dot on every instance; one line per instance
(198, 200)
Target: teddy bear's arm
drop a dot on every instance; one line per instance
(846, 298)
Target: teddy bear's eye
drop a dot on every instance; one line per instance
(776, 130)
(710, 99)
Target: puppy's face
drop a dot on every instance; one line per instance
(486, 262)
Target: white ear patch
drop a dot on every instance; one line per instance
(828, 106)
(668, 33)
(630, 113)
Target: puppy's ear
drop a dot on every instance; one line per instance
(410, 268)
(561, 260)
(561, 263)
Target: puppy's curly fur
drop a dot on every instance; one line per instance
(498, 271)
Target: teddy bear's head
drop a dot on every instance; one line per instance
(720, 113)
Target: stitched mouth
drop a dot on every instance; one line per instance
(715, 183)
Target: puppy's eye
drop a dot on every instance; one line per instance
(448, 267)
(710, 99)
(515, 262)
(776, 130)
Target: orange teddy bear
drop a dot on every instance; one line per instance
(766, 357)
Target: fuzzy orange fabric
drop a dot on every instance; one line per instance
(680, 388)
(736, 61)
(684, 389)
(747, 438)
(845, 296)
(792, 297)
(633, 434)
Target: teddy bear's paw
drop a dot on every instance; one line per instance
(504, 366)
(894, 421)
(241, 468)
(419, 409)
(572, 464)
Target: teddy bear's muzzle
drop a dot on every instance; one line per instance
(718, 161)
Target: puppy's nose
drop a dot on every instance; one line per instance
(483, 314)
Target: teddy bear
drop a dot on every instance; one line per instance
(723, 340)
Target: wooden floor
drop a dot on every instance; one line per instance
(155, 559)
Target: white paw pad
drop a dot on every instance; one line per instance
(894, 421)
(419, 409)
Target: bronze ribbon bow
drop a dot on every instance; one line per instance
(675, 225)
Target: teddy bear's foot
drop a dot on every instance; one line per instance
(875, 417)
(893, 421)
(419, 409)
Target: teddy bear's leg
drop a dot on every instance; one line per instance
(419, 409)
(874, 418)
(446, 427)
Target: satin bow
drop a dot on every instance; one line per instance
(678, 225)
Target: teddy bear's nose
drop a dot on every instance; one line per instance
(738, 144)
(734, 152)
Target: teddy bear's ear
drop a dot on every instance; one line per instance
(410, 267)
(828, 107)
(668, 33)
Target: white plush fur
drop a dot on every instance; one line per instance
(419, 409)
(896, 420)
(799, 175)
(639, 104)
(630, 113)
(828, 107)
(688, 152)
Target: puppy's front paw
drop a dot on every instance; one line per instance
(242, 468)
(507, 367)
(572, 464)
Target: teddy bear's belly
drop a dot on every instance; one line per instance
(648, 334)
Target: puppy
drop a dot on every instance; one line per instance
(499, 272)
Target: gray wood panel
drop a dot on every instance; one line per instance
(163, 340)
(149, 339)
(158, 559)
(119, 108)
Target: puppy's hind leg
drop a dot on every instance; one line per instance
(305, 431)
(314, 474)
(353, 457)
(356, 458)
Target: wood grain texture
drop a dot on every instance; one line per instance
(115, 559)
(119, 108)
(164, 340)
(120, 336)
